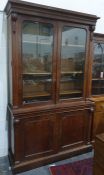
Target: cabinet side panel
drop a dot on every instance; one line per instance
(10, 132)
(9, 33)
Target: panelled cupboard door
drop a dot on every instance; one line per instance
(35, 137)
(75, 128)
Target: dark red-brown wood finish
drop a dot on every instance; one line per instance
(98, 99)
(46, 131)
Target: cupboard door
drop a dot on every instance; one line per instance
(37, 58)
(73, 53)
(98, 69)
(75, 128)
(35, 137)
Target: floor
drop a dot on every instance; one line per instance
(5, 169)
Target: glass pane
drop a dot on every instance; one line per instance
(98, 69)
(37, 46)
(72, 62)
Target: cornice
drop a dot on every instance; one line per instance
(27, 8)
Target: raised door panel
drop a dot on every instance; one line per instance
(75, 128)
(37, 137)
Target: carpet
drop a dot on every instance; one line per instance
(82, 167)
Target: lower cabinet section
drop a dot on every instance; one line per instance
(41, 138)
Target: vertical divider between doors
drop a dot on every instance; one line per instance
(58, 65)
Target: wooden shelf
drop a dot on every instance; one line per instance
(72, 72)
(74, 45)
(37, 94)
(68, 80)
(39, 81)
(33, 42)
(97, 79)
(70, 92)
(37, 74)
(48, 43)
(49, 73)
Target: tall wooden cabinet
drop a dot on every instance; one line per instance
(49, 53)
(98, 83)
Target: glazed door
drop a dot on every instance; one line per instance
(38, 60)
(53, 61)
(98, 69)
(72, 61)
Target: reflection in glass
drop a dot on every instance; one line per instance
(37, 39)
(98, 69)
(72, 62)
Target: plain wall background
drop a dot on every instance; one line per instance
(3, 86)
(95, 7)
